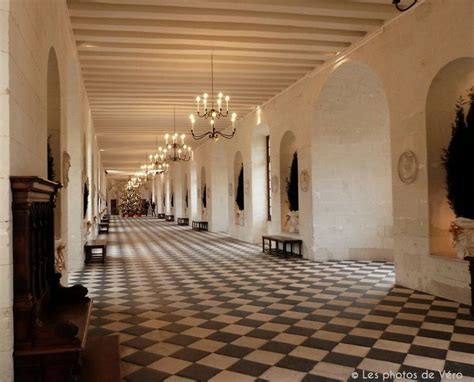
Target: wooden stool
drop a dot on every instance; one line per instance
(95, 244)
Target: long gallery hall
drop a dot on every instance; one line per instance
(250, 190)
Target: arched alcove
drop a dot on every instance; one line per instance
(238, 167)
(53, 112)
(203, 199)
(351, 172)
(260, 185)
(287, 152)
(452, 81)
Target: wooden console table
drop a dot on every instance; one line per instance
(199, 225)
(285, 242)
(183, 221)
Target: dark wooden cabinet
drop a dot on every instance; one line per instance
(50, 321)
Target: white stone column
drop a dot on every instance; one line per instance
(217, 204)
(178, 190)
(193, 192)
(6, 268)
(167, 194)
(74, 188)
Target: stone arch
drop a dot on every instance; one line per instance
(287, 150)
(452, 81)
(351, 167)
(53, 112)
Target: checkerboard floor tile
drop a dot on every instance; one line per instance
(202, 306)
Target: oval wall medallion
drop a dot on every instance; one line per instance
(304, 180)
(274, 184)
(407, 167)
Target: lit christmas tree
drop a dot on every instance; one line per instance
(131, 202)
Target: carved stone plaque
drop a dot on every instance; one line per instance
(407, 167)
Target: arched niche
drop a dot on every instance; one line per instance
(203, 199)
(238, 165)
(287, 151)
(53, 112)
(351, 167)
(260, 181)
(451, 82)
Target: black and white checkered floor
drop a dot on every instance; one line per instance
(200, 306)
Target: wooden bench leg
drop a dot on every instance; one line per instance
(88, 256)
(104, 253)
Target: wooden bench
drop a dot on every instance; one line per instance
(101, 360)
(199, 225)
(183, 221)
(95, 244)
(161, 216)
(283, 245)
(103, 227)
(169, 218)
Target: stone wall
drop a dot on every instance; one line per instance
(31, 30)
(356, 206)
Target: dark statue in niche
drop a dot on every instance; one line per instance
(239, 198)
(292, 185)
(204, 197)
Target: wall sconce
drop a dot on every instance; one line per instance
(397, 5)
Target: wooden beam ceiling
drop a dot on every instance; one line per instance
(141, 57)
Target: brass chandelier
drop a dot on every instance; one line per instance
(174, 151)
(157, 163)
(209, 112)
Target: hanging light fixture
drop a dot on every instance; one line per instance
(209, 112)
(157, 162)
(406, 8)
(174, 151)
